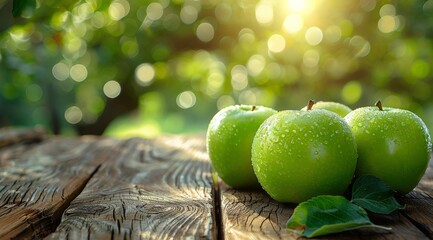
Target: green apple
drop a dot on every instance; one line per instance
(393, 144)
(297, 155)
(338, 108)
(229, 138)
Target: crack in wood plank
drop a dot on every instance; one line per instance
(218, 228)
(40, 183)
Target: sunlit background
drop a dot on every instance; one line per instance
(143, 68)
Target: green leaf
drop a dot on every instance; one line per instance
(328, 214)
(374, 195)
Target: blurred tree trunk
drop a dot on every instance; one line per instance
(7, 20)
(126, 102)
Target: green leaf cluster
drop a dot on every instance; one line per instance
(56, 57)
(326, 214)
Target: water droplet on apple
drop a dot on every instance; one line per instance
(274, 138)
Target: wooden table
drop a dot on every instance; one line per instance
(103, 188)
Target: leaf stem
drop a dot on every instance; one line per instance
(381, 227)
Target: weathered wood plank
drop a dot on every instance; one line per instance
(426, 183)
(419, 209)
(156, 189)
(254, 215)
(9, 136)
(419, 203)
(39, 184)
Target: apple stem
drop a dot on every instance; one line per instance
(253, 108)
(310, 104)
(379, 105)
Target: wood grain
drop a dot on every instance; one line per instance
(419, 209)
(39, 184)
(419, 203)
(253, 215)
(10, 136)
(156, 189)
(101, 188)
(426, 183)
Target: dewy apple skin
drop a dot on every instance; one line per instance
(393, 145)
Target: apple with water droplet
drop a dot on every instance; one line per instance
(336, 107)
(297, 155)
(229, 138)
(393, 145)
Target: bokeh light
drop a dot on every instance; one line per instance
(351, 92)
(293, 23)
(225, 101)
(181, 61)
(239, 77)
(119, 9)
(313, 36)
(154, 11)
(186, 99)
(112, 89)
(73, 115)
(78, 72)
(264, 12)
(60, 71)
(205, 32)
(256, 64)
(298, 5)
(188, 14)
(144, 74)
(276, 43)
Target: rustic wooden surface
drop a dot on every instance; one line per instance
(103, 188)
(155, 190)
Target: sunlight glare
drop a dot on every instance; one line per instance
(264, 13)
(298, 5)
(293, 23)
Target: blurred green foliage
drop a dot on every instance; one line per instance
(143, 67)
